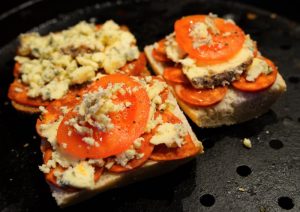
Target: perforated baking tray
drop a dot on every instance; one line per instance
(228, 177)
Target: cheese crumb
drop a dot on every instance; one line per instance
(241, 189)
(109, 164)
(247, 143)
(80, 176)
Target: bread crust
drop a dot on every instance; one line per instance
(25, 108)
(236, 107)
(112, 180)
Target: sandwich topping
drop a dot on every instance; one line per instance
(49, 65)
(206, 55)
(116, 125)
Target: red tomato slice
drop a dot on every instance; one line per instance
(129, 123)
(175, 75)
(136, 67)
(262, 82)
(222, 47)
(159, 53)
(200, 97)
(18, 93)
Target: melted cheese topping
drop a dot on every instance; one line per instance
(258, 67)
(51, 64)
(79, 176)
(192, 70)
(172, 135)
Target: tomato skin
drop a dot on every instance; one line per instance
(175, 75)
(135, 67)
(159, 53)
(223, 47)
(261, 83)
(129, 123)
(200, 97)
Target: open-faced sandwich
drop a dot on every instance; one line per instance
(215, 70)
(48, 67)
(118, 130)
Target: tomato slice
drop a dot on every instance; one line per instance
(262, 82)
(175, 75)
(221, 48)
(162, 152)
(146, 149)
(200, 97)
(16, 69)
(159, 53)
(129, 123)
(18, 93)
(136, 67)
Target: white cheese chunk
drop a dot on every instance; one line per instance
(172, 135)
(173, 51)
(124, 157)
(49, 131)
(80, 176)
(258, 67)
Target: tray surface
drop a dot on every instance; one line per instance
(228, 177)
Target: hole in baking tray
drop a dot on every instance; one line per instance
(285, 203)
(276, 144)
(294, 79)
(285, 46)
(243, 170)
(207, 200)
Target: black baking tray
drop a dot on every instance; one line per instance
(228, 177)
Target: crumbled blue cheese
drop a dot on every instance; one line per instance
(49, 131)
(63, 159)
(137, 143)
(51, 64)
(173, 51)
(200, 35)
(153, 91)
(94, 110)
(90, 141)
(43, 109)
(109, 164)
(44, 168)
(172, 135)
(124, 157)
(79, 176)
(97, 162)
(247, 143)
(258, 67)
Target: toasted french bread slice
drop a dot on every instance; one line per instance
(15, 91)
(236, 107)
(110, 180)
